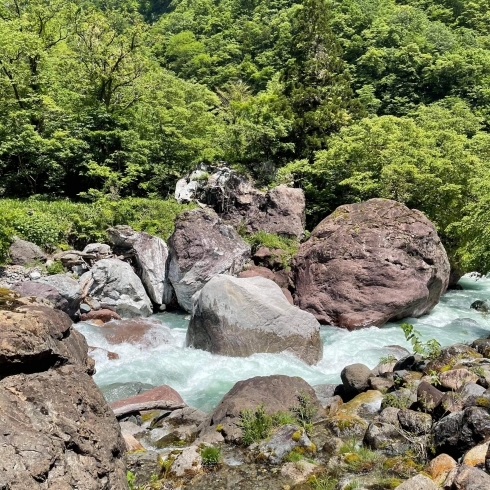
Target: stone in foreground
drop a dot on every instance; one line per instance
(369, 263)
(239, 317)
(276, 393)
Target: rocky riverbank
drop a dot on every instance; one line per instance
(363, 265)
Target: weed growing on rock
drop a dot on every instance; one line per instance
(389, 359)
(255, 424)
(430, 349)
(304, 412)
(211, 456)
(55, 268)
(324, 483)
(391, 400)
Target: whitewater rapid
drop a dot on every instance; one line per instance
(202, 378)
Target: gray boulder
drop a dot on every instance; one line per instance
(466, 478)
(113, 283)
(150, 253)
(202, 247)
(371, 262)
(456, 433)
(418, 482)
(100, 250)
(69, 290)
(57, 430)
(239, 317)
(355, 379)
(22, 252)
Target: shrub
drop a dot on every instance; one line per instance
(304, 412)
(255, 424)
(270, 240)
(211, 456)
(430, 349)
(55, 268)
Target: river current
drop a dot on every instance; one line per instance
(202, 378)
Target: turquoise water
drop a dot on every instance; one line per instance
(202, 378)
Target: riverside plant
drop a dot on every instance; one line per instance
(257, 424)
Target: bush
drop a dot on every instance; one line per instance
(255, 424)
(55, 268)
(211, 456)
(52, 224)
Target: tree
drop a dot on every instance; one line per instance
(316, 80)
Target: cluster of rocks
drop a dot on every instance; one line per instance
(57, 430)
(432, 427)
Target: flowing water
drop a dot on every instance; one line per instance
(202, 378)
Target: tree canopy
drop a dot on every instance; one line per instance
(349, 99)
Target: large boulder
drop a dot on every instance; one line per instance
(369, 263)
(22, 252)
(234, 197)
(113, 283)
(34, 338)
(57, 430)
(150, 253)
(239, 317)
(202, 247)
(276, 393)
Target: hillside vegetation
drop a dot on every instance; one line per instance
(104, 101)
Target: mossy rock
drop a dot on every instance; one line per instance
(9, 299)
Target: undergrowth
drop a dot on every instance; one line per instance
(67, 224)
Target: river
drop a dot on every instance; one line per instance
(202, 378)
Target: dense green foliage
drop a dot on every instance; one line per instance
(350, 99)
(65, 224)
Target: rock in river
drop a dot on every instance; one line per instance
(239, 317)
(112, 282)
(369, 263)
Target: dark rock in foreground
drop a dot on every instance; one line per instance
(57, 430)
(369, 263)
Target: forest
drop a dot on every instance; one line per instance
(105, 104)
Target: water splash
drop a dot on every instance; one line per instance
(202, 378)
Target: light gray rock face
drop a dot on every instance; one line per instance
(113, 283)
(239, 317)
(202, 247)
(283, 442)
(22, 252)
(151, 255)
(68, 288)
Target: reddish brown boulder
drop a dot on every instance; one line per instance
(160, 397)
(134, 331)
(104, 314)
(277, 392)
(257, 271)
(369, 263)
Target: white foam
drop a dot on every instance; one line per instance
(203, 378)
